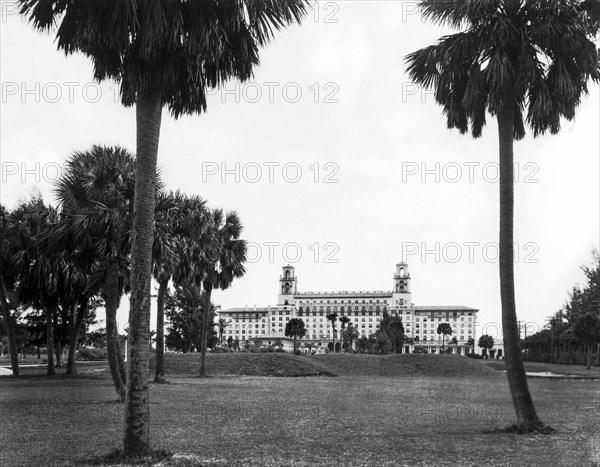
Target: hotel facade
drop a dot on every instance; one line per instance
(365, 309)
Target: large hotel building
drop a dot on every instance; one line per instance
(365, 310)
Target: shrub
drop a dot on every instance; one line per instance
(91, 354)
(280, 350)
(475, 356)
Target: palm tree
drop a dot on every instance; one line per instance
(295, 328)
(161, 53)
(351, 334)
(163, 265)
(511, 56)
(7, 283)
(344, 320)
(223, 263)
(445, 330)
(222, 325)
(42, 272)
(332, 317)
(96, 195)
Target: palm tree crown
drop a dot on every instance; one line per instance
(187, 46)
(537, 53)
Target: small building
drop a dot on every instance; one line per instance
(365, 309)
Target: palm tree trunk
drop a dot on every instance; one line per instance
(137, 411)
(10, 330)
(589, 356)
(527, 418)
(206, 314)
(74, 335)
(50, 340)
(111, 304)
(58, 353)
(159, 377)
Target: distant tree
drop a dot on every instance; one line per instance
(332, 318)
(295, 328)
(230, 342)
(184, 311)
(587, 330)
(471, 344)
(350, 335)
(445, 330)
(236, 344)
(486, 342)
(394, 329)
(222, 325)
(344, 320)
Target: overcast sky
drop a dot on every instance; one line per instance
(357, 169)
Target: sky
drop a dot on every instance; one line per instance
(335, 162)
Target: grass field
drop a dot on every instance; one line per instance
(386, 417)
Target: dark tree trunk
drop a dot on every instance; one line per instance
(50, 340)
(205, 325)
(527, 418)
(589, 357)
(10, 329)
(58, 353)
(137, 411)
(38, 353)
(74, 335)
(160, 332)
(113, 349)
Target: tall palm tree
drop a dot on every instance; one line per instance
(332, 317)
(95, 192)
(521, 61)
(223, 264)
(162, 53)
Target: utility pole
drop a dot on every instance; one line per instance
(551, 338)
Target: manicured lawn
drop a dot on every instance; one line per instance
(346, 420)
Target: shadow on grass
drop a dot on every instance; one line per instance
(524, 429)
(117, 457)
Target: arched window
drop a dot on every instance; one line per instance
(287, 274)
(286, 288)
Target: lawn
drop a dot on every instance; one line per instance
(345, 420)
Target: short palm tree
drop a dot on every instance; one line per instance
(351, 334)
(445, 330)
(295, 328)
(162, 54)
(523, 61)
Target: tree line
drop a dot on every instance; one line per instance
(573, 332)
(58, 264)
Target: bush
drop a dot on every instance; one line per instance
(475, 356)
(297, 352)
(280, 350)
(91, 354)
